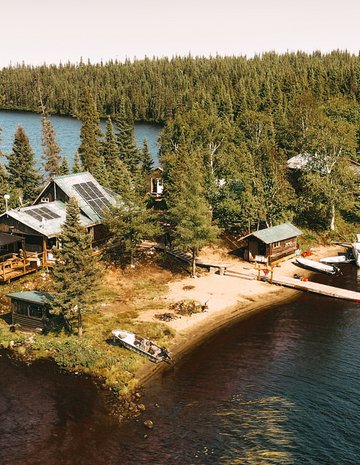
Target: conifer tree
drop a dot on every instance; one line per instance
(51, 150)
(189, 212)
(130, 222)
(64, 167)
(23, 175)
(90, 133)
(76, 271)
(147, 162)
(125, 139)
(77, 166)
(118, 177)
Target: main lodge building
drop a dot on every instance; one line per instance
(28, 234)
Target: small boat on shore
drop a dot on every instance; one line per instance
(141, 345)
(356, 250)
(317, 266)
(337, 259)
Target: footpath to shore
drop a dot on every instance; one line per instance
(228, 299)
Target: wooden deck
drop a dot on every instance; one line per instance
(316, 288)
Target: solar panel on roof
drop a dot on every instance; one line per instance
(92, 196)
(42, 213)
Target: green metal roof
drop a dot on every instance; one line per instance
(277, 233)
(36, 297)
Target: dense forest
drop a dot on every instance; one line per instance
(231, 123)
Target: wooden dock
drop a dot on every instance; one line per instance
(316, 288)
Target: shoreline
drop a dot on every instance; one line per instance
(252, 298)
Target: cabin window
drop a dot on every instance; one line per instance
(288, 244)
(45, 200)
(36, 311)
(276, 245)
(21, 308)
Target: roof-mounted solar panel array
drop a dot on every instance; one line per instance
(42, 213)
(92, 196)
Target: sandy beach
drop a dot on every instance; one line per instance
(228, 299)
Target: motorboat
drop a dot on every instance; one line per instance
(141, 345)
(356, 250)
(317, 266)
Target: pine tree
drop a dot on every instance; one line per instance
(90, 133)
(189, 212)
(64, 167)
(51, 150)
(118, 177)
(125, 139)
(23, 175)
(77, 165)
(76, 271)
(130, 222)
(147, 162)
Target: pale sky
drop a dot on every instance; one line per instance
(38, 31)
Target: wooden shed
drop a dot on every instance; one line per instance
(272, 244)
(30, 309)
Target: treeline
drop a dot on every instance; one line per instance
(231, 124)
(158, 89)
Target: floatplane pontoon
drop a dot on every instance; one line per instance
(141, 345)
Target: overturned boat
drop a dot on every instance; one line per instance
(141, 345)
(317, 266)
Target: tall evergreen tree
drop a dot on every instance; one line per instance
(146, 161)
(90, 133)
(118, 176)
(76, 271)
(189, 212)
(64, 167)
(51, 150)
(125, 138)
(130, 222)
(77, 166)
(23, 175)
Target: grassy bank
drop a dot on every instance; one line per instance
(122, 297)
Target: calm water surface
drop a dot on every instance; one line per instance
(67, 130)
(280, 388)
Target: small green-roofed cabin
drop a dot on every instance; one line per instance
(30, 309)
(272, 244)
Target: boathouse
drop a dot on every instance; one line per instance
(271, 244)
(38, 226)
(30, 309)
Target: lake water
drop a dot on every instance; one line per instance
(67, 130)
(282, 387)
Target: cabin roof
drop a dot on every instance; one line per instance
(90, 195)
(6, 239)
(44, 218)
(35, 297)
(276, 233)
(314, 162)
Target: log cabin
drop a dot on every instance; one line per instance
(272, 244)
(30, 309)
(38, 226)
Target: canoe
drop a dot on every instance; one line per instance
(337, 259)
(141, 345)
(317, 266)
